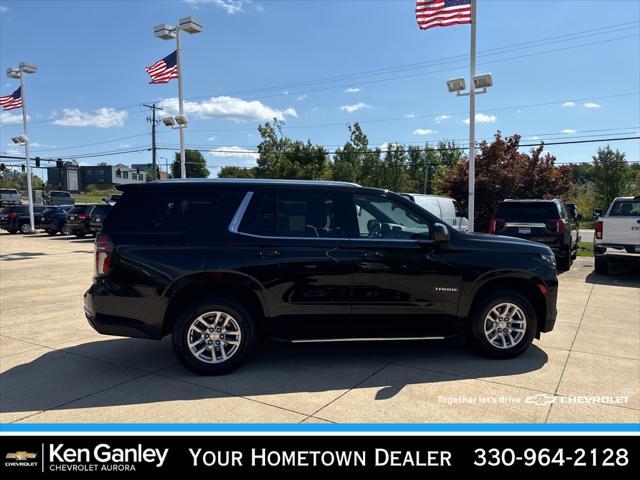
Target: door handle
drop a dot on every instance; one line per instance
(267, 253)
(372, 254)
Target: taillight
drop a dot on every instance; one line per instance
(555, 225)
(104, 250)
(12, 214)
(599, 230)
(83, 216)
(492, 224)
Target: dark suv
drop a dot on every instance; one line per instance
(544, 221)
(98, 214)
(218, 263)
(77, 219)
(53, 220)
(16, 219)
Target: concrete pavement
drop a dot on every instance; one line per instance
(55, 368)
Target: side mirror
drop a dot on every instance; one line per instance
(597, 212)
(441, 235)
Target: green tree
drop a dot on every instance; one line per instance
(16, 179)
(504, 172)
(196, 165)
(236, 172)
(612, 176)
(281, 157)
(355, 162)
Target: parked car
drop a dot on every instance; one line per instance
(217, 263)
(16, 218)
(617, 233)
(77, 219)
(98, 214)
(59, 197)
(446, 209)
(544, 221)
(53, 220)
(9, 196)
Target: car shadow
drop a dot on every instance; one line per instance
(619, 275)
(57, 378)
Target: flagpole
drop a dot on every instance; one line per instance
(25, 128)
(183, 164)
(472, 122)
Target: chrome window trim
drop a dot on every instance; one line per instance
(244, 204)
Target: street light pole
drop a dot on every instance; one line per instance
(183, 160)
(18, 73)
(472, 124)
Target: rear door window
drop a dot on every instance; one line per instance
(527, 211)
(291, 213)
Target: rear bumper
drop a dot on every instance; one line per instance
(110, 312)
(623, 251)
(78, 227)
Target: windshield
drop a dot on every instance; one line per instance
(527, 211)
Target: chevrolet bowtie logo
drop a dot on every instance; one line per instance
(540, 399)
(21, 456)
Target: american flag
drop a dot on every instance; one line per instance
(13, 101)
(442, 13)
(164, 70)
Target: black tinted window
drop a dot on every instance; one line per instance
(81, 209)
(292, 214)
(99, 209)
(527, 211)
(150, 212)
(626, 208)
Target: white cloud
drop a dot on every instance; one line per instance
(569, 104)
(569, 130)
(228, 107)
(301, 97)
(355, 107)
(234, 152)
(352, 90)
(7, 118)
(424, 131)
(482, 118)
(441, 118)
(591, 105)
(101, 118)
(410, 115)
(212, 139)
(4, 9)
(124, 145)
(230, 6)
(534, 138)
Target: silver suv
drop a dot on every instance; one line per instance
(9, 196)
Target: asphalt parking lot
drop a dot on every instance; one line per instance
(55, 368)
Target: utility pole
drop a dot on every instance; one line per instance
(426, 176)
(154, 122)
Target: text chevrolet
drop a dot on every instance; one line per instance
(220, 263)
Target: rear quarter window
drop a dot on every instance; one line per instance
(166, 212)
(527, 211)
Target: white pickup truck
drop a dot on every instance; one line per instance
(617, 233)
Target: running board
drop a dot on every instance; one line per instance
(364, 339)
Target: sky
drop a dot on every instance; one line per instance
(563, 70)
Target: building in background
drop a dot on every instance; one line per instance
(148, 169)
(73, 178)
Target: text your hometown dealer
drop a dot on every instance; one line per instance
(104, 453)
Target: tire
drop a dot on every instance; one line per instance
(12, 232)
(601, 266)
(64, 230)
(207, 311)
(479, 322)
(25, 228)
(52, 232)
(80, 234)
(564, 262)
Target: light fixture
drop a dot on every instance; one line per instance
(483, 80)
(456, 84)
(181, 120)
(164, 31)
(190, 25)
(20, 139)
(169, 121)
(27, 67)
(13, 73)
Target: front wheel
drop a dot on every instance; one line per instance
(25, 228)
(601, 265)
(503, 325)
(65, 230)
(213, 337)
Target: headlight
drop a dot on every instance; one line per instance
(549, 258)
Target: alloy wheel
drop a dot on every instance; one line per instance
(505, 325)
(214, 337)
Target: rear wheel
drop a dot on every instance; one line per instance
(503, 325)
(601, 266)
(65, 230)
(25, 228)
(213, 337)
(80, 234)
(564, 262)
(52, 232)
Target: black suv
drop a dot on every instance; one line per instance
(16, 219)
(98, 214)
(78, 218)
(218, 263)
(53, 220)
(544, 221)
